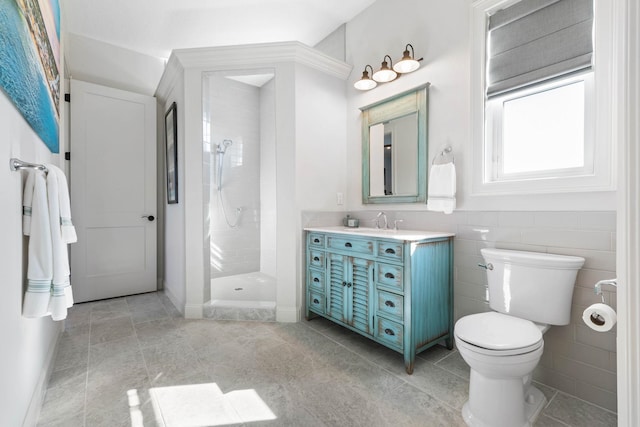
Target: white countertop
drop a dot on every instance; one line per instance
(405, 235)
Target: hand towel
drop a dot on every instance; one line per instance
(40, 269)
(442, 188)
(27, 201)
(67, 229)
(61, 293)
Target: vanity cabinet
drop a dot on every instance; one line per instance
(392, 287)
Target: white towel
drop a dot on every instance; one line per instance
(27, 201)
(61, 293)
(67, 229)
(442, 188)
(40, 269)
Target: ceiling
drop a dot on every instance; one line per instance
(156, 27)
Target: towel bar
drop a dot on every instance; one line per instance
(17, 164)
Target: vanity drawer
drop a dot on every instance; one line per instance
(315, 280)
(316, 258)
(316, 302)
(391, 250)
(316, 240)
(354, 245)
(390, 332)
(390, 305)
(389, 275)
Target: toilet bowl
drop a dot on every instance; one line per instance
(528, 291)
(502, 352)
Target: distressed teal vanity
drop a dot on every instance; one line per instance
(395, 287)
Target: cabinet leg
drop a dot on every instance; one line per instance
(409, 369)
(449, 343)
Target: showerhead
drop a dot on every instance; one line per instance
(222, 147)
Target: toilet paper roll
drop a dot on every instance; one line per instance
(599, 317)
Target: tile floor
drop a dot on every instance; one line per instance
(311, 373)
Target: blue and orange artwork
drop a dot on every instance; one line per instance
(30, 63)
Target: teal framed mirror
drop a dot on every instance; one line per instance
(394, 148)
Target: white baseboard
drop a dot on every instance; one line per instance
(37, 398)
(178, 304)
(193, 311)
(287, 315)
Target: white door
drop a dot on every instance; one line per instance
(113, 192)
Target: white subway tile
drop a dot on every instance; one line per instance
(595, 260)
(473, 291)
(582, 353)
(482, 218)
(597, 240)
(556, 219)
(516, 219)
(586, 373)
(555, 379)
(597, 220)
(603, 340)
(597, 395)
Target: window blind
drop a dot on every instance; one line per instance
(538, 40)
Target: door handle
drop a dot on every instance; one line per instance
(149, 217)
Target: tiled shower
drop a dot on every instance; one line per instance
(239, 144)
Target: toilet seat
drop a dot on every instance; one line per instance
(498, 334)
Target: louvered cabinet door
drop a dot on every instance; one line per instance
(337, 272)
(359, 291)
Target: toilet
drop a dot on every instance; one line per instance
(529, 292)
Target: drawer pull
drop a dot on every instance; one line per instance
(389, 251)
(316, 240)
(347, 245)
(315, 301)
(315, 258)
(389, 304)
(315, 279)
(389, 332)
(389, 276)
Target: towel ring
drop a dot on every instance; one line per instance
(444, 157)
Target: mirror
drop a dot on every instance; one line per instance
(394, 149)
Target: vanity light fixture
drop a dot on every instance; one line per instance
(365, 83)
(385, 74)
(388, 71)
(407, 64)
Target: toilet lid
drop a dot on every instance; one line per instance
(496, 331)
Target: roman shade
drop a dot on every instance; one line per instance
(537, 40)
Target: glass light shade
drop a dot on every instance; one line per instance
(406, 65)
(385, 74)
(365, 84)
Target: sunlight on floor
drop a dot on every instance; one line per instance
(200, 405)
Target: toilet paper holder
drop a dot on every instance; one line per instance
(598, 286)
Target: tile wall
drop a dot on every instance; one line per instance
(234, 115)
(576, 360)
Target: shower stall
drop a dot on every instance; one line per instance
(240, 193)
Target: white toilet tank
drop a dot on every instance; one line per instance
(531, 285)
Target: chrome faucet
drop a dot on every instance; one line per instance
(384, 216)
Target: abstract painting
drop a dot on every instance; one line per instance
(30, 63)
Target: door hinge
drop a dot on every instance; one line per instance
(67, 155)
(67, 97)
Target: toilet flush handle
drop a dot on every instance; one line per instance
(487, 266)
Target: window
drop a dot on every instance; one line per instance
(535, 100)
(541, 132)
